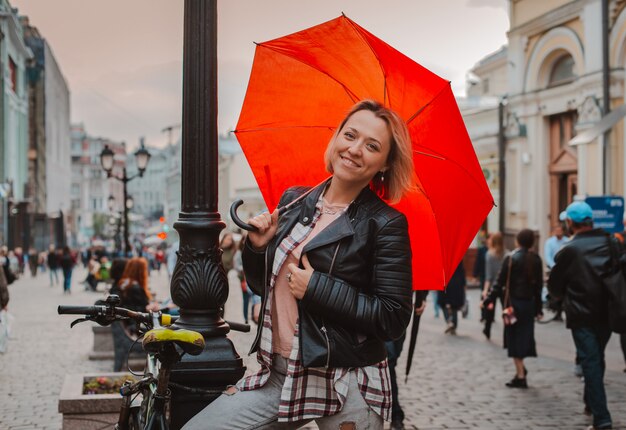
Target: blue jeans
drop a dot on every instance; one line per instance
(54, 276)
(67, 279)
(590, 344)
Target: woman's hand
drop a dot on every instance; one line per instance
(298, 279)
(267, 224)
(539, 316)
(420, 310)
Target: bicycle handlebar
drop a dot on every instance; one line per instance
(80, 310)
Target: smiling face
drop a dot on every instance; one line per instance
(360, 149)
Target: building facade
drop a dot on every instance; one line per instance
(90, 189)
(553, 116)
(14, 56)
(49, 161)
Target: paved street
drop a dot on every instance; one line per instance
(456, 382)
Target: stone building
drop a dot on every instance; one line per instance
(90, 189)
(554, 116)
(14, 56)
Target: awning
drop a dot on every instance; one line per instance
(606, 123)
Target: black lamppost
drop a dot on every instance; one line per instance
(142, 157)
(116, 220)
(199, 283)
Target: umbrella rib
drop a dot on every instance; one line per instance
(356, 28)
(420, 110)
(282, 128)
(350, 94)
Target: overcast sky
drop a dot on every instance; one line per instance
(123, 59)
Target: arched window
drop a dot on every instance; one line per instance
(562, 71)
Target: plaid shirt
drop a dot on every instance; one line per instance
(310, 393)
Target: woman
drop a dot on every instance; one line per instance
(524, 270)
(337, 284)
(493, 263)
(133, 286)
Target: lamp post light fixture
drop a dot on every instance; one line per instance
(142, 157)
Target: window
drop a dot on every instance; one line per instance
(562, 71)
(13, 74)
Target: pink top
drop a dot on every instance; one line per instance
(284, 308)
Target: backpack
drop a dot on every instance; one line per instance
(615, 286)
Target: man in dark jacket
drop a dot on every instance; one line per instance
(576, 281)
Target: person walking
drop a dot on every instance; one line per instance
(493, 263)
(67, 265)
(550, 248)
(453, 298)
(33, 261)
(245, 291)
(53, 265)
(576, 280)
(336, 286)
(519, 286)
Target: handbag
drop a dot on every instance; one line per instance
(615, 287)
(508, 313)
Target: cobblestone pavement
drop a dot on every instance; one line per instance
(457, 382)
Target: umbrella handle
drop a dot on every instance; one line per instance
(236, 219)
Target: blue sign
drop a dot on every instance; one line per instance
(608, 212)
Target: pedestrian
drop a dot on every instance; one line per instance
(576, 281)
(172, 256)
(4, 315)
(519, 286)
(553, 245)
(19, 255)
(453, 299)
(67, 265)
(228, 247)
(33, 261)
(53, 265)
(394, 349)
(93, 267)
(245, 290)
(493, 263)
(331, 295)
(133, 286)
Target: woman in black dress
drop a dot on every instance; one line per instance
(524, 271)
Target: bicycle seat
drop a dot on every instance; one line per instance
(190, 341)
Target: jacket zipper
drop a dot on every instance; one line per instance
(323, 328)
(327, 343)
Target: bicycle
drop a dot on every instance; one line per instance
(145, 402)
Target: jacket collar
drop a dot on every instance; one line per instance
(308, 209)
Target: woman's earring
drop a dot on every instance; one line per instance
(382, 176)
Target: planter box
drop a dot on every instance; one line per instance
(102, 344)
(88, 411)
(104, 349)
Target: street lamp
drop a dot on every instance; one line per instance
(142, 157)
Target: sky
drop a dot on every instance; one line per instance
(122, 59)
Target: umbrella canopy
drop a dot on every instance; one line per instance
(301, 87)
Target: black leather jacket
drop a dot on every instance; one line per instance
(526, 280)
(576, 278)
(360, 293)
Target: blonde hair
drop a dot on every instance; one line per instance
(400, 174)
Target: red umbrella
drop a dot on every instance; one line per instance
(301, 87)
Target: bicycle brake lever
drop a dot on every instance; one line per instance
(78, 321)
